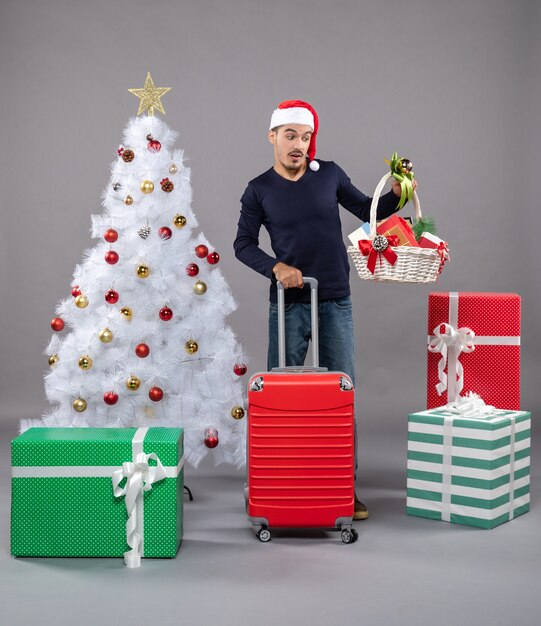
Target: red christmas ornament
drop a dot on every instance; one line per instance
(211, 437)
(154, 145)
(76, 291)
(111, 296)
(240, 369)
(110, 235)
(57, 324)
(166, 314)
(155, 394)
(201, 251)
(213, 258)
(165, 232)
(111, 257)
(110, 398)
(192, 269)
(142, 350)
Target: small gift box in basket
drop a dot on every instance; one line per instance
(381, 255)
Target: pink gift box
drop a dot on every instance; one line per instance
(474, 345)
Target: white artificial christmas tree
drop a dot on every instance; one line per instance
(142, 340)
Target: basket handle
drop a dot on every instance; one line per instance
(375, 200)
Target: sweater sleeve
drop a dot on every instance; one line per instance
(356, 202)
(246, 243)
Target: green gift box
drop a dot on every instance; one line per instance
(469, 470)
(97, 492)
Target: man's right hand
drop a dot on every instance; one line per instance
(287, 275)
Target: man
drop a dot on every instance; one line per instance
(297, 201)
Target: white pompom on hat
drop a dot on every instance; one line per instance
(298, 112)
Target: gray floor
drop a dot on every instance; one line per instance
(403, 570)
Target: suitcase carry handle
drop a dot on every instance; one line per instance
(312, 282)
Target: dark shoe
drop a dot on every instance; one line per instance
(360, 511)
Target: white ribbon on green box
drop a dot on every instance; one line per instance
(446, 469)
(471, 406)
(450, 341)
(139, 475)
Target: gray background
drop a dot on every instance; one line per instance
(454, 86)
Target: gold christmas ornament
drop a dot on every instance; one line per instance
(147, 186)
(179, 221)
(81, 301)
(105, 335)
(150, 96)
(143, 271)
(128, 200)
(53, 359)
(191, 346)
(126, 312)
(133, 383)
(85, 362)
(237, 412)
(79, 405)
(173, 169)
(200, 288)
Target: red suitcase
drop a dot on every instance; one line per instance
(300, 445)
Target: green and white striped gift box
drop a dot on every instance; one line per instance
(65, 503)
(469, 470)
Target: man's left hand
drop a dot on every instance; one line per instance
(396, 187)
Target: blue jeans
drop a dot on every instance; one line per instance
(336, 337)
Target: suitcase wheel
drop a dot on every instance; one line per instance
(264, 535)
(349, 535)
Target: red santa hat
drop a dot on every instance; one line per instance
(298, 112)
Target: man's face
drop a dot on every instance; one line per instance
(291, 143)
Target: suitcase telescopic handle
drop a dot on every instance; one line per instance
(312, 282)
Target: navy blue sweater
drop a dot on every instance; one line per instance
(303, 222)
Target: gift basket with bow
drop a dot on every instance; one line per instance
(412, 255)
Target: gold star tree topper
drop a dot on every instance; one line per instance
(149, 96)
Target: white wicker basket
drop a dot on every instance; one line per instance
(413, 265)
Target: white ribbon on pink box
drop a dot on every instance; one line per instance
(450, 341)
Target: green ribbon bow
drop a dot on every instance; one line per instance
(402, 172)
